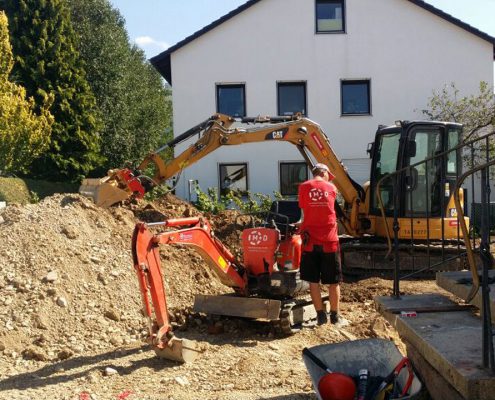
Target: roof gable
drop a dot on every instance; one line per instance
(162, 62)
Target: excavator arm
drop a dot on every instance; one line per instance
(195, 232)
(216, 132)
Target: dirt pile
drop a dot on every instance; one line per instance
(67, 284)
(70, 312)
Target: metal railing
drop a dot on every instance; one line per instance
(472, 244)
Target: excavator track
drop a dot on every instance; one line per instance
(285, 323)
(363, 259)
(296, 314)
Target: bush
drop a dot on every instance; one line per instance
(23, 191)
(24, 130)
(246, 203)
(210, 202)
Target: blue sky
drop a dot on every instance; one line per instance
(155, 25)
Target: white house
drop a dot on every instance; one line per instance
(349, 65)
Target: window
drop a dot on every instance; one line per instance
(291, 175)
(454, 137)
(355, 97)
(291, 98)
(386, 152)
(424, 197)
(233, 177)
(330, 16)
(231, 100)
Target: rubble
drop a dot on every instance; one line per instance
(70, 305)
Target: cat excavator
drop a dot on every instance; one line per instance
(425, 207)
(266, 283)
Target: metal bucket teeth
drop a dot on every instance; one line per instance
(182, 350)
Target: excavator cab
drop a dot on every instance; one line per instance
(420, 150)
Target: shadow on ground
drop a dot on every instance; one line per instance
(295, 396)
(65, 371)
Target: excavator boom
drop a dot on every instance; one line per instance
(216, 132)
(194, 232)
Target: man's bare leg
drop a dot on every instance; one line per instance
(334, 295)
(314, 290)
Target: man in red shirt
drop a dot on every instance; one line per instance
(320, 260)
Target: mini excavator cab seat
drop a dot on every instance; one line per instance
(284, 213)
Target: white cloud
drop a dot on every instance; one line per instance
(148, 41)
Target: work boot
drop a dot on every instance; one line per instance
(321, 317)
(335, 318)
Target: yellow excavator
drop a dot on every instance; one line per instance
(425, 205)
(266, 283)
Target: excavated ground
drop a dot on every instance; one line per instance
(71, 325)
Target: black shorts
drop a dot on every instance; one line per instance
(318, 266)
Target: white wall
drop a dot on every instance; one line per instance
(404, 50)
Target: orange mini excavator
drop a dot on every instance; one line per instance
(266, 283)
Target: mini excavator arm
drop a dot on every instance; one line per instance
(217, 131)
(194, 232)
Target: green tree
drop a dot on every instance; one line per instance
(24, 135)
(134, 104)
(475, 112)
(47, 63)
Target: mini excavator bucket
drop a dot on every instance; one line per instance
(181, 350)
(104, 191)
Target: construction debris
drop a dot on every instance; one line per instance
(70, 305)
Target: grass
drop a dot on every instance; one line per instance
(23, 191)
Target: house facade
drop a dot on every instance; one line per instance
(348, 65)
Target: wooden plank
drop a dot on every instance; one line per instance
(245, 307)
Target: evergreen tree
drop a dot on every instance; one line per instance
(47, 63)
(135, 107)
(23, 134)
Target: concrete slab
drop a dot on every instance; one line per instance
(449, 342)
(459, 283)
(427, 302)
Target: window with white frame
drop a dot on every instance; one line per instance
(231, 99)
(355, 97)
(330, 16)
(291, 98)
(292, 174)
(233, 177)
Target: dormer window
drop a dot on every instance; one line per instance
(330, 16)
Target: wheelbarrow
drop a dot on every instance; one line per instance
(379, 356)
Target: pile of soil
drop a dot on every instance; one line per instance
(71, 325)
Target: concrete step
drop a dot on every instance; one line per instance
(459, 283)
(445, 345)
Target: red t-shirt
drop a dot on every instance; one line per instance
(316, 199)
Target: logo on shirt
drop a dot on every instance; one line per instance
(316, 194)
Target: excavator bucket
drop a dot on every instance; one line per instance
(103, 191)
(182, 350)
